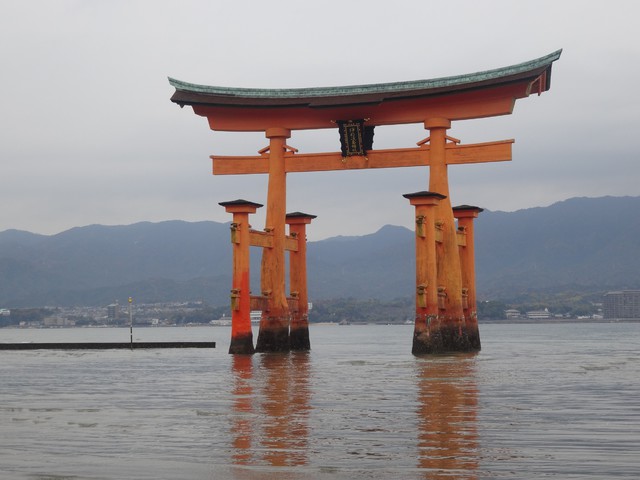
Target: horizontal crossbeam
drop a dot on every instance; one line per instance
(499, 151)
(265, 240)
(261, 302)
(260, 239)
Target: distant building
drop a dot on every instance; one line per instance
(113, 311)
(512, 313)
(621, 304)
(539, 314)
(58, 322)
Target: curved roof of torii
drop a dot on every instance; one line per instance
(481, 94)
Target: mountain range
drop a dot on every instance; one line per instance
(580, 244)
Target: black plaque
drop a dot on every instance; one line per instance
(355, 138)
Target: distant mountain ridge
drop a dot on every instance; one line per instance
(591, 243)
(63, 268)
(581, 243)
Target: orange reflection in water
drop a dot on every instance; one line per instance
(286, 405)
(447, 416)
(242, 366)
(271, 406)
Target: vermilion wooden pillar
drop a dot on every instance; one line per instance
(465, 215)
(427, 322)
(299, 329)
(274, 324)
(453, 334)
(241, 333)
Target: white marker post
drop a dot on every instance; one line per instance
(131, 322)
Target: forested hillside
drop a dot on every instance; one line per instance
(579, 245)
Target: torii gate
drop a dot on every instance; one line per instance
(445, 280)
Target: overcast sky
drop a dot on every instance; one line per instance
(88, 134)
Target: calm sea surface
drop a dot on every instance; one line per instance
(540, 401)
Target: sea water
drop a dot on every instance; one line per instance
(539, 401)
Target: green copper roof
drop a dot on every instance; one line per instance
(459, 81)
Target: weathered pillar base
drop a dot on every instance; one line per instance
(242, 344)
(299, 338)
(449, 337)
(474, 336)
(273, 335)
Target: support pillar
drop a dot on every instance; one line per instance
(274, 324)
(241, 333)
(453, 330)
(465, 215)
(299, 330)
(426, 338)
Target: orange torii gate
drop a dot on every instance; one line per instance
(445, 279)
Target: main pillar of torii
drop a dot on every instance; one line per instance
(436, 103)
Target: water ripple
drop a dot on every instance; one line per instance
(539, 401)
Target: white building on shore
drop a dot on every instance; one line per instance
(539, 314)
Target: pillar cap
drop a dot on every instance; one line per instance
(277, 132)
(238, 202)
(299, 217)
(424, 194)
(468, 207)
(466, 211)
(240, 206)
(437, 123)
(424, 198)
